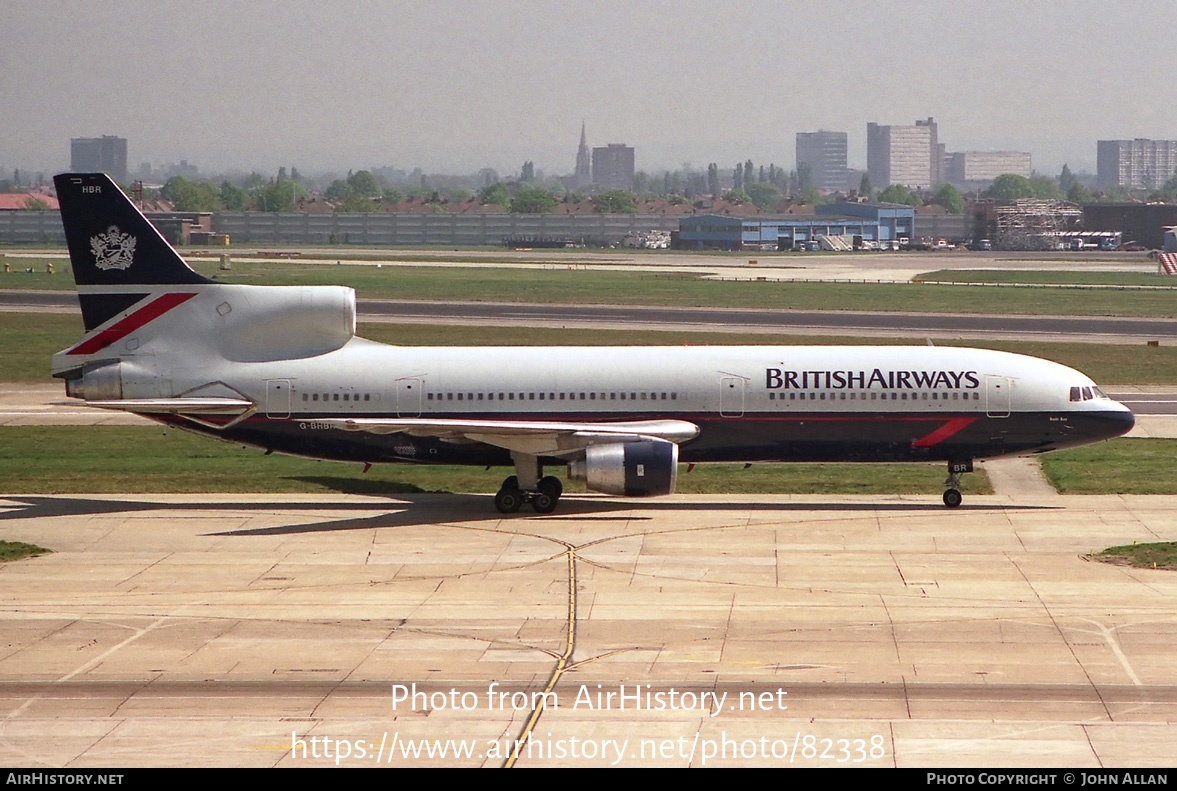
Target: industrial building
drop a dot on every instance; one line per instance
(909, 155)
(613, 167)
(1026, 223)
(1135, 164)
(1142, 223)
(825, 154)
(833, 224)
(106, 154)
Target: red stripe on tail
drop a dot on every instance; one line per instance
(124, 327)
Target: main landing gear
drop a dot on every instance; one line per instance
(526, 486)
(952, 495)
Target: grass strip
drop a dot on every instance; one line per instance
(570, 284)
(142, 460)
(1162, 555)
(16, 550)
(1119, 466)
(30, 339)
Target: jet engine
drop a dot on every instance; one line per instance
(632, 469)
(258, 323)
(108, 380)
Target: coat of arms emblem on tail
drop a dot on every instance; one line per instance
(113, 250)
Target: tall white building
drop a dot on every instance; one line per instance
(909, 155)
(966, 167)
(1139, 164)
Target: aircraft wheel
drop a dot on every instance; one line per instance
(952, 497)
(508, 501)
(510, 482)
(551, 486)
(543, 503)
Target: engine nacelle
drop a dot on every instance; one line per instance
(257, 323)
(632, 469)
(111, 380)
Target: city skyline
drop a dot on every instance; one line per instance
(455, 87)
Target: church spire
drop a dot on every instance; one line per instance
(583, 162)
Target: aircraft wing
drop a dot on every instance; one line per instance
(178, 406)
(534, 437)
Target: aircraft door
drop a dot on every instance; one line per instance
(408, 397)
(731, 396)
(278, 398)
(997, 396)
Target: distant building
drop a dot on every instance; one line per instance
(909, 155)
(583, 175)
(106, 154)
(824, 153)
(1135, 164)
(613, 167)
(874, 222)
(966, 167)
(1143, 223)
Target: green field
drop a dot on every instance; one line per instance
(1121, 466)
(145, 460)
(1161, 555)
(115, 459)
(564, 284)
(30, 339)
(15, 550)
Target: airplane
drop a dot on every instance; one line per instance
(281, 368)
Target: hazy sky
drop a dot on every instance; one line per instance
(455, 85)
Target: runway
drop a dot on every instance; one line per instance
(1084, 329)
(213, 630)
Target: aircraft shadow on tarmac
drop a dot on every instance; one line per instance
(412, 508)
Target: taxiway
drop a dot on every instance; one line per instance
(254, 630)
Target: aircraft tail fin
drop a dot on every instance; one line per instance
(115, 253)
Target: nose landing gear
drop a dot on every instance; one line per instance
(952, 495)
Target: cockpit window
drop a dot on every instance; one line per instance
(1087, 393)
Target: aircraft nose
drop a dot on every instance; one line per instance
(1117, 423)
